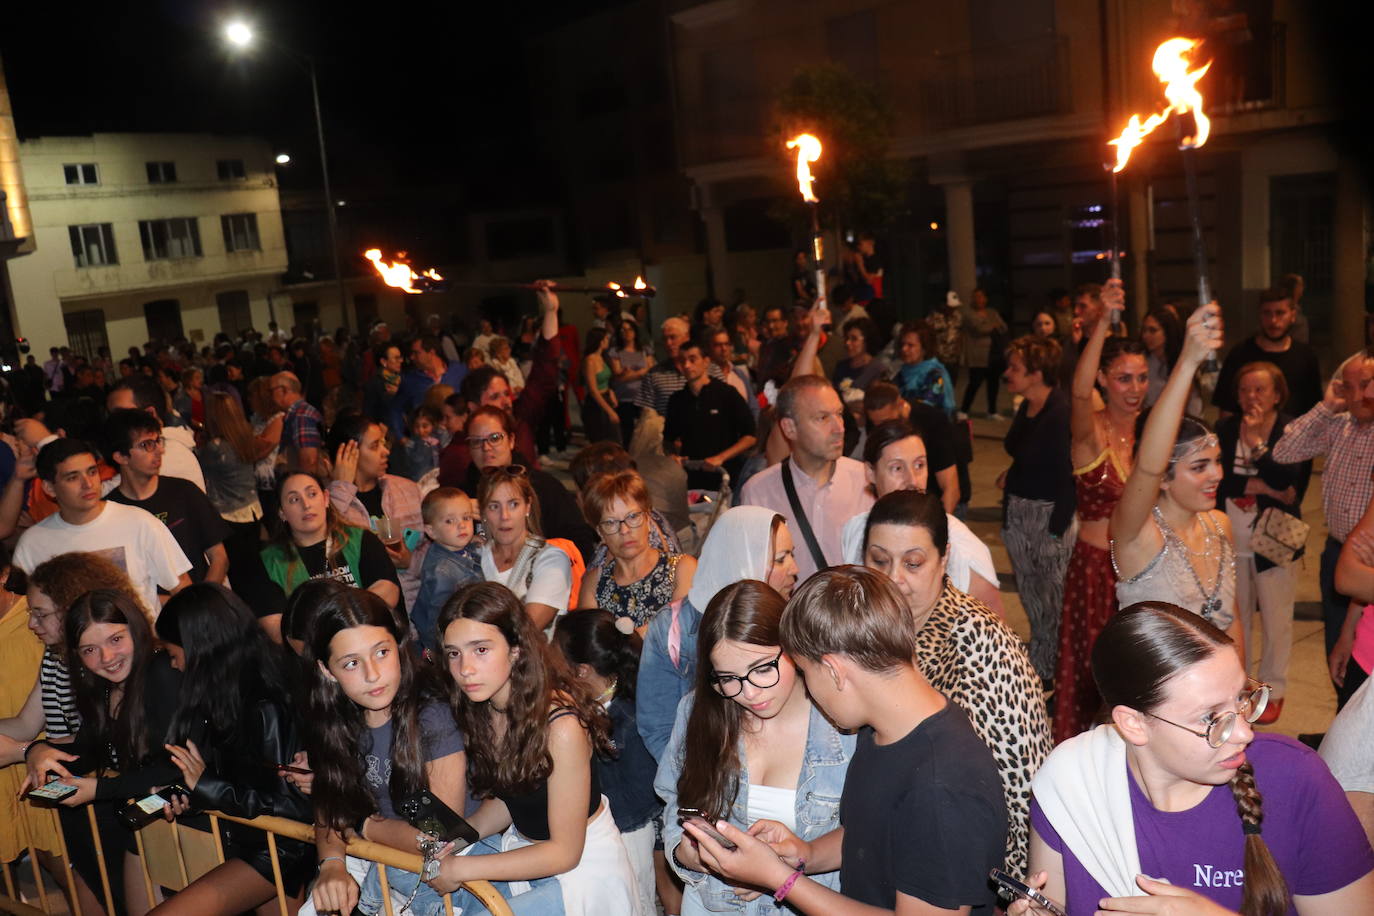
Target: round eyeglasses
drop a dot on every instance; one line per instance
(612, 525)
(765, 675)
(1221, 725)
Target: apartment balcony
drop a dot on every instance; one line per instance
(1251, 75)
(992, 83)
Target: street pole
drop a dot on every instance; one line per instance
(329, 203)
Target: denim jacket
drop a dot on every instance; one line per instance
(443, 573)
(824, 764)
(627, 779)
(662, 684)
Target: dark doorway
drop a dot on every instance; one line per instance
(164, 320)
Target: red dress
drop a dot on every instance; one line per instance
(1089, 599)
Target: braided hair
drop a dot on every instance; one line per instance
(1139, 651)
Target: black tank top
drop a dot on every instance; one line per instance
(529, 812)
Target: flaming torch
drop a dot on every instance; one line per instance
(808, 151)
(402, 276)
(1171, 64)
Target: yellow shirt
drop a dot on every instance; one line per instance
(21, 824)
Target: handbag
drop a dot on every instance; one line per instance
(1278, 536)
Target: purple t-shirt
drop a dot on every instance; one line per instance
(1309, 826)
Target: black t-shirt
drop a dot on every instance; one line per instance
(706, 424)
(1300, 370)
(372, 501)
(1041, 468)
(374, 563)
(924, 816)
(188, 514)
(933, 426)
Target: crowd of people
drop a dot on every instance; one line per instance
(348, 583)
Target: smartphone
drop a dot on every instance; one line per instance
(138, 814)
(412, 538)
(52, 793)
(288, 768)
(697, 819)
(1019, 889)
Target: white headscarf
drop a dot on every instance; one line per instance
(738, 547)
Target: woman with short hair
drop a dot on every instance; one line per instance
(637, 580)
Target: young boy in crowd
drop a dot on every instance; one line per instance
(922, 813)
(452, 561)
(420, 450)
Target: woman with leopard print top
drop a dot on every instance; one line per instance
(965, 650)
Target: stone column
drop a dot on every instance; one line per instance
(1348, 260)
(963, 265)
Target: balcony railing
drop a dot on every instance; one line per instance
(1007, 82)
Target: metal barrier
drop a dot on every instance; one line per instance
(11, 899)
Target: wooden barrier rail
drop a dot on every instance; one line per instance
(10, 895)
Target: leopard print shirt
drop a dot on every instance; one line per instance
(970, 655)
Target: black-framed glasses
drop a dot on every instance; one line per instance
(631, 520)
(491, 440)
(1220, 726)
(152, 445)
(763, 675)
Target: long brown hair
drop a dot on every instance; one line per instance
(517, 477)
(540, 682)
(336, 529)
(748, 612)
(1139, 651)
(224, 419)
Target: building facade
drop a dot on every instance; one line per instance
(1002, 109)
(140, 237)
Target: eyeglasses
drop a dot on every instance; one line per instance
(511, 470)
(612, 525)
(39, 618)
(1219, 727)
(152, 445)
(765, 675)
(487, 442)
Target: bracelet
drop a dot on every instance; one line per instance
(786, 888)
(334, 858)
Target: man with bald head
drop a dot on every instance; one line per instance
(301, 438)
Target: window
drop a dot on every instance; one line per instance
(229, 169)
(162, 172)
(163, 318)
(93, 245)
(169, 238)
(81, 173)
(240, 232)
(235, 313)
(86, 332)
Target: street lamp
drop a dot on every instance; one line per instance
(240, 35)
(283, 159)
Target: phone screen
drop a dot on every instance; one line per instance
(53, 791)
(701, 824)
(152, 804)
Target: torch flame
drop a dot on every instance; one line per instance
(398, 273)
(1170, 64)
(808, 150)
(640, 284)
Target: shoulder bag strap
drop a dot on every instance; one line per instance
(799, 514)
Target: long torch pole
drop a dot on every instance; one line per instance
(818, 255)
(1204, 283)
(1114, 237)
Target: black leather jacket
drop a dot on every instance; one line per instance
(240, 770)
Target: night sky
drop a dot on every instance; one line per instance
(414, 94)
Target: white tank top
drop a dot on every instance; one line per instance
(774, 804)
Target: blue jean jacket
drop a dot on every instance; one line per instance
(444, 572)
(661, 684)
(824, 764)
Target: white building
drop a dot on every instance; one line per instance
(142, 236)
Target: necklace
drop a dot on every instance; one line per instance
(1211, 599)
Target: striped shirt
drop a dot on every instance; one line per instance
(60, 718)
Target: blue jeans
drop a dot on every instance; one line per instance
(544, 898)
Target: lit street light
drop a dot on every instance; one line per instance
(241, 36)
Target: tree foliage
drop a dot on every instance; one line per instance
(858, 185)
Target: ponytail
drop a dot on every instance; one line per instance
(592, 638)
(1265, 892)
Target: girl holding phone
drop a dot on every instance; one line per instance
(532, 728)
(748, 745)
(377, 731)
(234, 725)
(127, 693)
